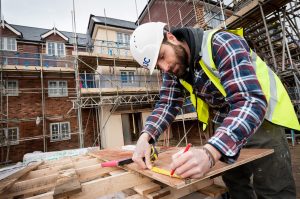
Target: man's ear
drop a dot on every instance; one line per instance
(171, 37)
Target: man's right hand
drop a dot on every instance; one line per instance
(143, 149)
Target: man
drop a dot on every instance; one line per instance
(248, 103)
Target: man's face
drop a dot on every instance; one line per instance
(172, 58)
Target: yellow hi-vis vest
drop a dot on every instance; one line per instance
(280, 109)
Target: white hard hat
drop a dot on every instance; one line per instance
(145, 44)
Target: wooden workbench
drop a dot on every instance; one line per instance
(82, 177)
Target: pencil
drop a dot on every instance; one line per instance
(185, 150)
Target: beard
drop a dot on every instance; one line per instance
(181, 59)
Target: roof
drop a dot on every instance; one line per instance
(115, 22)
(34, 34)
(118, 23)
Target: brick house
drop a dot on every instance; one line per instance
(37, 82)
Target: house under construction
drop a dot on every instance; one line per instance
(64, 90)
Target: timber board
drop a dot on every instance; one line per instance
(164, 161)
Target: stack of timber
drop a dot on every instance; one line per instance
(83, 177)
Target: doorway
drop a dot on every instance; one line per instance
(131, 126)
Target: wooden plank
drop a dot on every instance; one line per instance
(241, 12)
(159, 194)
(111, 184)
(178, 193)
(147, 188)
(213, 190)
(111, 154)
(93, 172)
(48, 195)
(78, 165)
(7, 182)
(135, 196)
(87, 162)
(116, 172)
(47, 171)
(57, 167)
(32, 186)
(54, 163)
(164, 162)
(67, 184)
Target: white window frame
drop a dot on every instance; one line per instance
(57, 90)
(126, 39)
(7, 135)
(60, 134)
(8, 44)
(130, 77)
(123, 38)
(57, 51)
(12, 91)
(119, 38)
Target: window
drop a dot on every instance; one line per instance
(119, 38)
(9, 136)
(215, 19)
(60, 131)
(126, 39)
(127, 76)
(9, 44)
(57, 88)
(12, 88)
(123, 38)
(56, 49)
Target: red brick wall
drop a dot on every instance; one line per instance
(26, 107)
(5, 32)
(158, 13)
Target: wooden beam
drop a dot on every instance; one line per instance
(48, 195)
(178, 193)
(111, 184)
(165, 192)
(241, 12)
(46, 171)
(93, 172)
(213, 190)
(77, 165)
(146, 188)
(135, 196)
(54, 163)
(37, 185)
(67, 184)
(84, 163)
(7, 182)
(58, 167)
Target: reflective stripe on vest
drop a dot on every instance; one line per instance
(280, 108)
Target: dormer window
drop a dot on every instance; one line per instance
(56, 49)
(8, 43)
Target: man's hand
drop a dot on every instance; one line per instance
(194, 163)
(143, 149)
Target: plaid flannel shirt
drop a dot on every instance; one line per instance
(239, 114)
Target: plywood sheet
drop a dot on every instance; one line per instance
(111, 154)
(164, 161)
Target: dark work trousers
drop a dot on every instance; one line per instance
(268, 177)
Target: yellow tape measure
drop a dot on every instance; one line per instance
(164, 172)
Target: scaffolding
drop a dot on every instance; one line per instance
(271, 27)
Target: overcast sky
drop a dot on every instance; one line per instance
(47, 13)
